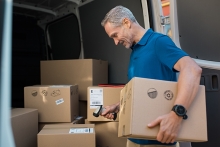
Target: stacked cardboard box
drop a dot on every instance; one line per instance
(106, 130)
(55, 103)
(59, 105)
(101, 96)
(83, 72)
(78, 120)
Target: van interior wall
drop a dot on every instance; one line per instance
(96, 42)
(27, 51)
(199, 28)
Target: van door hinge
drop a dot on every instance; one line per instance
(165, 20)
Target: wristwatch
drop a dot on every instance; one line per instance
(180, 111)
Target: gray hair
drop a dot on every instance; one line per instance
(117, 14)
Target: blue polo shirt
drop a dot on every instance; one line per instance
(154, 57)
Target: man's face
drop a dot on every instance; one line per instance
(120, 35)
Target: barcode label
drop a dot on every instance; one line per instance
(60, 101)
(80, 130)
(96, 97)
(96, 103)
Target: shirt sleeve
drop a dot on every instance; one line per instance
(167, 52)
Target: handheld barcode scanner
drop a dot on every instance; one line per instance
(100, 109)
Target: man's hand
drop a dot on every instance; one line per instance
(109, 110)
(169, 127)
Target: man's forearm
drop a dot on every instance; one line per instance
(188, 84)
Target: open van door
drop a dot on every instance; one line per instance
(195, 29)
(6, 137)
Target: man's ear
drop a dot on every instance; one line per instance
(126, 23)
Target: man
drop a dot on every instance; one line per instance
(153, 56)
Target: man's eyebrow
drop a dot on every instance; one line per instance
(112, 35)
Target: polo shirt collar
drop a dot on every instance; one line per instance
(146, 36)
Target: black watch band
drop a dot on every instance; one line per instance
(180, 111)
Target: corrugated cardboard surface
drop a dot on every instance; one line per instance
(59, 136)
(111, 95)
(146, 99)
(45, 99)
(107, 134)
(78, 120)
(24, 122)
(83, 72)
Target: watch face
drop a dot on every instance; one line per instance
(181, 110)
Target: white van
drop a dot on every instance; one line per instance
(36, 30)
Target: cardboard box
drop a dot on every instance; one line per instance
(78, 120)
(83, 72)
(107, 134)
(101, 96)
(55, 103)
(24, 123)
(143, 100)
(77, 135)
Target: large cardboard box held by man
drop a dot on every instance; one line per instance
(143, 100)
(24, 123)
(72, 135)
(107, 134)
(104, 96)
(55, 103)
(83, 72)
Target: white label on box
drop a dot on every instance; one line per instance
(81, 130)
(60, 101)
(96, 98)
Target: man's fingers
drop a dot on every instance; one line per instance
(163, 138)
(169, 140)
(109, 116)
(173, 140)
(154, 123)
(106, 116)
(106, 111)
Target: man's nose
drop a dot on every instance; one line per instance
(116, 41)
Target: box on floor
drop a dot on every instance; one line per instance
(24, 123)
(77, 135)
